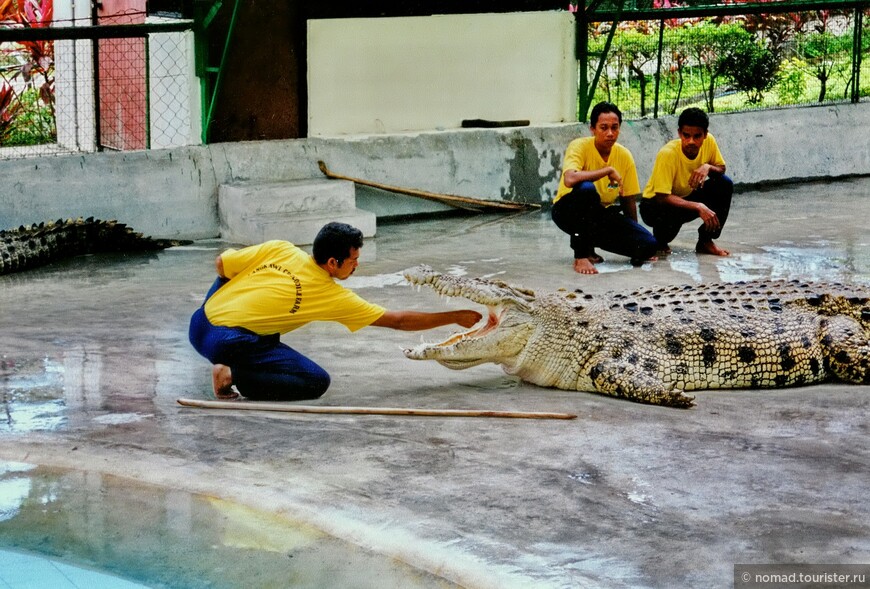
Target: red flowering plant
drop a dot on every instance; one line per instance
(26, 67)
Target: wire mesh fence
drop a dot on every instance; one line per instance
(731, 63)
(125, 83)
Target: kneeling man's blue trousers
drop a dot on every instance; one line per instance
(263, 368)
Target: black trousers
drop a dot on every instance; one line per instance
(667, 221)
(580, 214)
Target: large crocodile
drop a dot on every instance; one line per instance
(39, 244)
(654, 344)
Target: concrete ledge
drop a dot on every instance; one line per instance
(174, 193)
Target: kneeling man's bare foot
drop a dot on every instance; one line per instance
(222, 382)
(708, 247)
(584, 266)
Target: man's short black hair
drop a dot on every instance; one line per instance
(335, 240)
(693, 117)
(600, 109)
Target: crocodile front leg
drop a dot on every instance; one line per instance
(846, 348)
(622, 379)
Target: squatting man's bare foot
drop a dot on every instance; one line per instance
(708, 247)
(222, 382)
(584, 266)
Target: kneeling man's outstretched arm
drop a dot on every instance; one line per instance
(417, 320)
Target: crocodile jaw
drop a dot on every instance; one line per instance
(490, 293)
(500, 340)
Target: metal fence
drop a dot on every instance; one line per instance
(124, 83)
(724, 58)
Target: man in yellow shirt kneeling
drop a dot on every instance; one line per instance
(595, 202)
(265, 290)
(688, 182)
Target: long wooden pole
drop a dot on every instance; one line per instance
(288, 408)
(462, 202)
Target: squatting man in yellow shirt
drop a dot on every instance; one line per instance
(688, 181)
(596, 173)
(265, 290)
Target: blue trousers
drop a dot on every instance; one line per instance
(666, 221)
(580, 214)
(263, 368)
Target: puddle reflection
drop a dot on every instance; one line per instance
(169, 538)
(820, 261)
(31, 395)
(65, 390)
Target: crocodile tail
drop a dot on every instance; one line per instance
(40, 244)
(112, 236)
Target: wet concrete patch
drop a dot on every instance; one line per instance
(168, 538)
(745, 476)
(31, 398)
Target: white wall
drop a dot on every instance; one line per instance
(386, 75)
(174, 91)
(74, 81)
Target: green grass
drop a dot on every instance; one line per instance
(33, 125)
(627, 96)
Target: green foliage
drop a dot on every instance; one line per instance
(828, 55)
(751, 68)
(706, 43)
(635, 50)
(791, 83)
(33, 123)
(822, 45)
(807, 57)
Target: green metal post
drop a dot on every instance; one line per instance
(856, 54)
(582, 51)
(147, 43)
(659, 68)
(588, 89)
(210, 91)
(591, 95)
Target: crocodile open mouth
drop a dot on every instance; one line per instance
(453, 352)
(502, 336)
(493, 320)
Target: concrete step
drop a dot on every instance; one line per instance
(253, 212)
(292, 196)
(300, 228)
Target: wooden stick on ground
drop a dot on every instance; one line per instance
(462, 202)
(289, 408)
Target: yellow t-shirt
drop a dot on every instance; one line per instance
(672, 168)
(582, 156)
(275, 287)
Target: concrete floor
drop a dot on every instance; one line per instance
(93, 354)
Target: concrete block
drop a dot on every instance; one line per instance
(253, 212)
(294, 196)
(299, 229)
